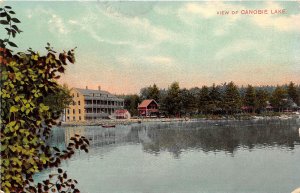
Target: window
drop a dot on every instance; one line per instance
(73, 95)
(79, 111)
(74, 103)
(77, 94)
(73, 111)
(68, 118)
(79, 117)
(73, 118)
(68, 111)
(78, 102)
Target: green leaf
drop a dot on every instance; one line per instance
(11, 124)
(3, 14)
(17, 98)
(4, 22)
(8, 30)
(27, 111)
(6, 162)
(13, 109)
(3, 147)
(15, 27)
(15, 20)
(12, 44)
(13, 33)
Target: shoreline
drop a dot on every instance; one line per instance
(114, 122)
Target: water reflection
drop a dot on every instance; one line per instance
(207, 136)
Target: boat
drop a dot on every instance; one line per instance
(108, 126)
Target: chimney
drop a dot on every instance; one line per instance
(86, 87)
(99, 87)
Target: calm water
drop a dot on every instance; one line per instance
(187, 157)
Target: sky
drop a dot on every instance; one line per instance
(125, 46)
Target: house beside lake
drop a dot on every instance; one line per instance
(92, 104)
(148, 108)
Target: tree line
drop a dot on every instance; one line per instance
(222, 99)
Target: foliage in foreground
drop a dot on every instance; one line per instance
(27, 80)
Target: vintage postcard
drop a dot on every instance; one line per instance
(150, 96)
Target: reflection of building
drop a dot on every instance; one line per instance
(148, 108)
(99, 136)
(92, 104)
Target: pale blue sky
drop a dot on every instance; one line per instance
(124, 46)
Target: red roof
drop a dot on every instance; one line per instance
(119, 111)
(147, 102)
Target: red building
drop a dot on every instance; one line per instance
(148, 108)
(122, 114)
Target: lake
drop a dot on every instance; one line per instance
(186, 157)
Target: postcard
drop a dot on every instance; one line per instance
(150, 96)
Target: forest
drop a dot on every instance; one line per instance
(222, 99)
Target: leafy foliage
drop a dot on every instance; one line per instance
(59, 101)
(27, 79)
(8, 20)
(151, 92)
(131, 103)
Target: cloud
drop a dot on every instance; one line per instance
(279, 22)
(210, 9)
(145, 60)
(235, 48)
(142, 26)
(192, 14)
(160, 60)
(58, 24)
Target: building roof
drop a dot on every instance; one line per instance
(147, 102)
(97, 93)
(121, 111)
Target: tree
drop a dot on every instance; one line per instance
(151, 92)
(232, 99)
(278, 98)
(59, 101)
(292, 92)
(250, 98)
(171, 102)
(27, 78)
(131, 103)
(187, 102)
(203, 101)
(154, 93)
(215, 101)
(262, 98)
